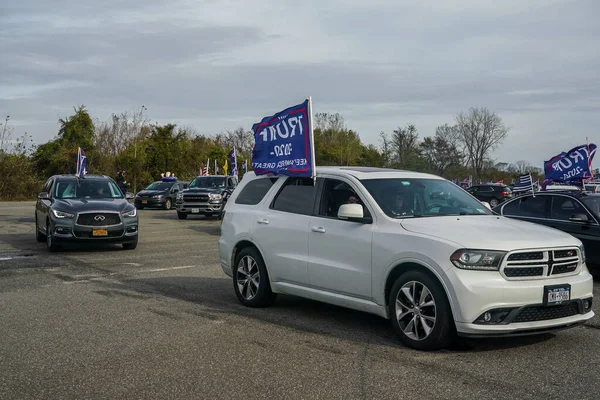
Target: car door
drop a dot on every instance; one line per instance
(42, 205)
(562, 208)
(339, 251)
(281, 230)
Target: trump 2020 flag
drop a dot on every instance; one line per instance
(572, 165)
(233, 157)
(81, 162)
(284, 143)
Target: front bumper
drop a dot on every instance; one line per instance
(516, 307)
(149, 202)
(65, 232)
(212, 207)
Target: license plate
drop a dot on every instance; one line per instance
(144, 201)
(195, 210)
(99, 232)
(556, 294)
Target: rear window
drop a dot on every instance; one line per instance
(254, 191)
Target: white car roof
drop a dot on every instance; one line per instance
(371, 173)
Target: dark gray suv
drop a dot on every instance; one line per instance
(89, 209)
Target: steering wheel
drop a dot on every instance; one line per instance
(432, 206)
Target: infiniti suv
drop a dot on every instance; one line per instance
(382, 241)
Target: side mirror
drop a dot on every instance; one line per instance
(485, 203)
(351, 212)
(579, 218)
(43, 195)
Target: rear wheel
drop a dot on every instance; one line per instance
(250, 280)
(493, 203)
(420, 312)
(168, 204)
(181, 215)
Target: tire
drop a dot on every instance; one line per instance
(493, 203)
(207, 216)
(52, 247)
(249, 262)
(130, 246)
(139, 207)
(39, 236)
(168, 204)
(436, 315)
(181, 215)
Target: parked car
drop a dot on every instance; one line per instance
(374, 240)
(576, 213)
(493, 193)
(89, 209)
(205, 195)
(161, 194)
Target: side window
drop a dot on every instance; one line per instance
(335, 193)
(296, 196)
(534, 207)
(563, 207)
(511, 208)
(487, 189)
(254, 191)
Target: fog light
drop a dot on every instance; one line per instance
(487, 317)
(586, 305)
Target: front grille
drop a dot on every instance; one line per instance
(540, 263)
(98, 219)
(528, 271)
(541, 313)
(199, 197)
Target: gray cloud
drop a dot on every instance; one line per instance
(217, 64)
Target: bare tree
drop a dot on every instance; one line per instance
(480, 132)
(523, 166)
(326, 121)
(5, 135)
(113, 136)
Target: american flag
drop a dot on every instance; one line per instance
(524, 183)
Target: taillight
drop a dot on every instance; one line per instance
(505, 193)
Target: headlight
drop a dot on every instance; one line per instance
(130, 213)
(214, 196)
(582, 251)
(158, 196)
(479, 260)
(62, 214)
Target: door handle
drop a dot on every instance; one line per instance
(263, 221)
(318, 229)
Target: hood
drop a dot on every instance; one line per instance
(83, 205)
(148, 193)
(489, 232)
(204, 190)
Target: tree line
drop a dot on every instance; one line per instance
(129, 141)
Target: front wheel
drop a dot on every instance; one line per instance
(420, 312)
(130, 246)
(168, 204)
(52, 247)
(250, 280)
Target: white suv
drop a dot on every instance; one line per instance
(411, 247)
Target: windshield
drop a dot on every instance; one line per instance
(208, 182)
(406, 198)
(593, 203)
(160, 186)
(87, 188)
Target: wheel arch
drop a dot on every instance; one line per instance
(242, 244)
(416, 265)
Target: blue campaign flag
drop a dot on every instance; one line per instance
(283, 143)
(81, 163)
(572, 165)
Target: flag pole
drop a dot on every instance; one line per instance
(312, 140)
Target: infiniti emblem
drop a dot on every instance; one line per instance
(99, 217)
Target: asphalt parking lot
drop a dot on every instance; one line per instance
(162, 321)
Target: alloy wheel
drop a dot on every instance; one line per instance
(248, 277)
(416, 310)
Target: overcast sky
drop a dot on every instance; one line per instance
(218, 64)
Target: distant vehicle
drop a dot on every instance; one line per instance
(572, 212)
(89, 209)
(375, 240)
(563, 188)
(161, 194)
(493, 193)
(205, 195)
